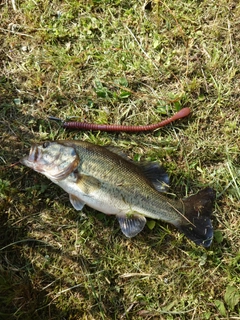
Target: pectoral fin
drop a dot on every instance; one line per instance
(87, 184)
(76, 203)
(131, 226)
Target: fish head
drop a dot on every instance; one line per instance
(53, 159)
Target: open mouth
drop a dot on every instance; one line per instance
(33, 154)
(31, 158)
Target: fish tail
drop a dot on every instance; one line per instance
(198, 208)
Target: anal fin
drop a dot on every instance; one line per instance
(132, 225)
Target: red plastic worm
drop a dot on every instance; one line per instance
(123, 128)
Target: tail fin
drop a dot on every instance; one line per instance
(198, 209)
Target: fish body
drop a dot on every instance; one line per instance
(108, 182)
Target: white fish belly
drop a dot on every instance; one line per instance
(97, 199)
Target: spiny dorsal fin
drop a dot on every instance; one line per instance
(119, 152)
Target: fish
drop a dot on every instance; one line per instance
(108, 181)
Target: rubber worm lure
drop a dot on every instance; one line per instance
(122, 128)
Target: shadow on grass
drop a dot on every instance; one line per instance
(22, 293)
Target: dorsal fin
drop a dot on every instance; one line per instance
(155, 173)
(119, 152)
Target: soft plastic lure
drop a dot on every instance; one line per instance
(122, 128)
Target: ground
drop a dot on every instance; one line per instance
(124, 62)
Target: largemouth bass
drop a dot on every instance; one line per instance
(110, 183)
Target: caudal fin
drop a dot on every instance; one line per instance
(198, 209)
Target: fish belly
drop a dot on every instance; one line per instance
(97, 199)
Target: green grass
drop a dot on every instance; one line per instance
(129, 62)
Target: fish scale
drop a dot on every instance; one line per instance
(127, 180)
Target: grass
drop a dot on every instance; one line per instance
(130, 62)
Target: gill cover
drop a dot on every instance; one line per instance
(52, 159)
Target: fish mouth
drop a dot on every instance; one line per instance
(52, 168)
(31, 158)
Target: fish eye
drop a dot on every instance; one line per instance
(46, 144)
